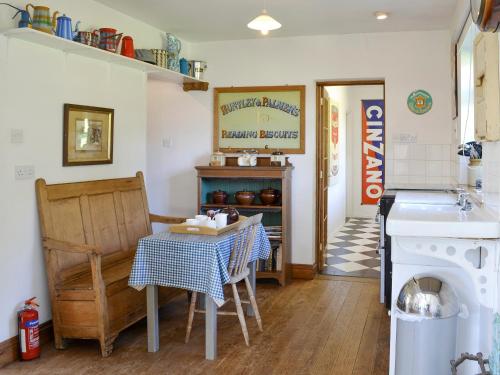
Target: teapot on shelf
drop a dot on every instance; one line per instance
(247, 160)
(64, 28)
(41, 19)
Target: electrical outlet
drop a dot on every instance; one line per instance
(24, 172)
(16, 136)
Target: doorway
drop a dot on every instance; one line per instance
(350, 176)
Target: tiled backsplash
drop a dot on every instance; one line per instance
(420, 163)
(491, 167)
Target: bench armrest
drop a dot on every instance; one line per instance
(71, 247)
(166, 219)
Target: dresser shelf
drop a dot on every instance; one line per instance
(232, 179)
(153, 72)
(251, 207)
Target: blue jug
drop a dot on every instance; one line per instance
(25, 20)
(64, 29)
(184, 66)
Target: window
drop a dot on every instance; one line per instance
(465, 81)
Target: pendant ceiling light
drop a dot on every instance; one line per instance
(264, 23)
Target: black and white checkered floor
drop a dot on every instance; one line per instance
(352, 250)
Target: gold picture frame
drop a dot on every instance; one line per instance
(261, 118)
(87, 135)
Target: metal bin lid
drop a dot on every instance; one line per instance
(427, 298)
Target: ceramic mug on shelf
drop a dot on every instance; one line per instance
(184, 66)
(197, 69)
(89, 38)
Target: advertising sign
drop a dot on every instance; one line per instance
(260, 118)
(372, 150)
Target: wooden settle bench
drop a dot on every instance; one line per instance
(90, 232)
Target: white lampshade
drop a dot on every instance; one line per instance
(264, 23)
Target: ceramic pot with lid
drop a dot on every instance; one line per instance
(219, 197)
(232, 215)
(245, 198)
(269, 196)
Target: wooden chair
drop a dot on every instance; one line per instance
(90, 232)
(238, 270)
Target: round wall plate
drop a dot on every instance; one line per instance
(420, 102)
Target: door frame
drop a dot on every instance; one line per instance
(321, 172)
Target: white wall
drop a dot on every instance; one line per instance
(172, 184)
(34, 83)
(337, 194)
(406, 61)
(354, 141)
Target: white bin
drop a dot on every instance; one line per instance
(427, 311)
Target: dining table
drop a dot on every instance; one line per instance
(193, 262)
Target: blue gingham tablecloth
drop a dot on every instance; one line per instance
(193, 262)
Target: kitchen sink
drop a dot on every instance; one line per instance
(436, 219)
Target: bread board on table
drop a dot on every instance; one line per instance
(199, 229)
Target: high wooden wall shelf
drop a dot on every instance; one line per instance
(232, 179)
(153, 72)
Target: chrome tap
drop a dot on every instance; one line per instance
(463, 201)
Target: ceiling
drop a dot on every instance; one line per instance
(211, 20)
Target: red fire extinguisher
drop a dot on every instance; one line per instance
(29, 341)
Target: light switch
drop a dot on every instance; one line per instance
(405, 138)
(16, 136)
(167, 142)
(24, 172)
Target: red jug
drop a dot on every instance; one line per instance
(128, 46)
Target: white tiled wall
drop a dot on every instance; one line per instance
(491, 167)
(416, 163)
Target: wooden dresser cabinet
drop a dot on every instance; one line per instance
(276, 218)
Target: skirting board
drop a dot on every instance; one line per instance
(304, 271)
(9, 349)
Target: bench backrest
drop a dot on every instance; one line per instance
(112, 214)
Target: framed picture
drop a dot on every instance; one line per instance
(88, 135)
(263, 118)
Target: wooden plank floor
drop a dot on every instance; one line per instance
(330, 325)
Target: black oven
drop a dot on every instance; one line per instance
(384, 206)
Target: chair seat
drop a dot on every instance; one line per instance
(115, 267)
(237, 278)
